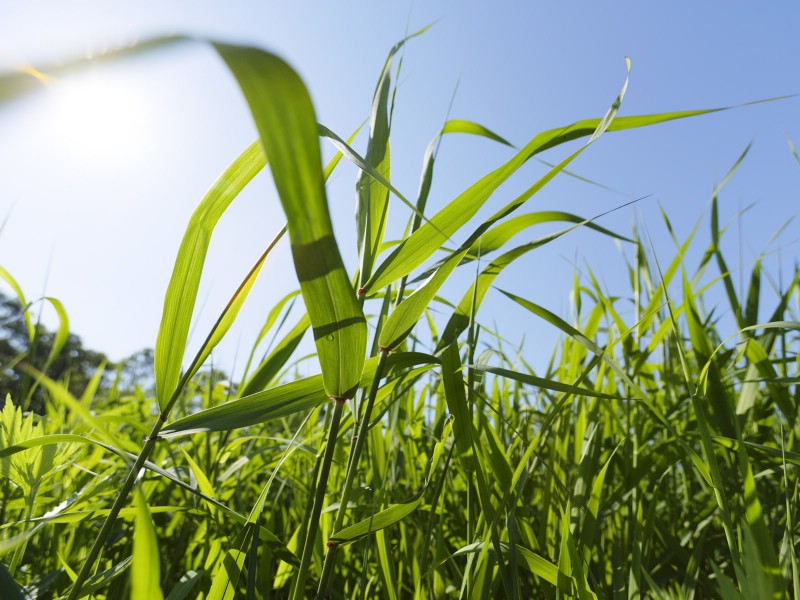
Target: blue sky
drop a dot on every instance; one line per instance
(97, 212)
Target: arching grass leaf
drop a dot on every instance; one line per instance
(287, 126)
(181, 292)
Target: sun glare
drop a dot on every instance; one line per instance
(99, 117)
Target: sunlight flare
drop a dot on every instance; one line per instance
(99, 117)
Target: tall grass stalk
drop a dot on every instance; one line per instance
(352, 470)
(319, 499)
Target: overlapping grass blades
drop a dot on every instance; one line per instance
(654, 455)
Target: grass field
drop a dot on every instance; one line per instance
(654, 456)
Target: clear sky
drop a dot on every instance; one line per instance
(98, 202)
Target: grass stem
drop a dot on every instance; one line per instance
(330, 555)
(319, 498)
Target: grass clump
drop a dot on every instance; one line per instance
(654, 455)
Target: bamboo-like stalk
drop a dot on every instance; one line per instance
(319, 498)
(330, 555)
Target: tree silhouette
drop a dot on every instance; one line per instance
(74, 365)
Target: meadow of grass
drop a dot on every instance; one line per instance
(654, 456)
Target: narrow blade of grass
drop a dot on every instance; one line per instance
(146, 563)
(280, 401)
(181, 294)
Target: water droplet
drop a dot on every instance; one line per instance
(330, 337)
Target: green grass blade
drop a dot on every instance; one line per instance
(547, 384)
(753, 295)
(497, 236)
(260, 407)
(9, 279)
(285, 120)
(44, 440)
(280, 401)
(230, 312)
(541, 567)
(730, 290)
(276, 360)
(657, 296)
(402, 320)
(716, 232)
(361, 163)
(185, 585)
(456, 398)
(146, 564)
(225, 582)
(426, 180)
(272, 364)
(759, 362)
(103, 578)
(702, 380)
(472, 128)
(9, 588)
(372, 198)
(274, 312)
(181, 292)
(224, 585)
(793, 149)
(62, 333)
(385, 518)
(731, 171)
